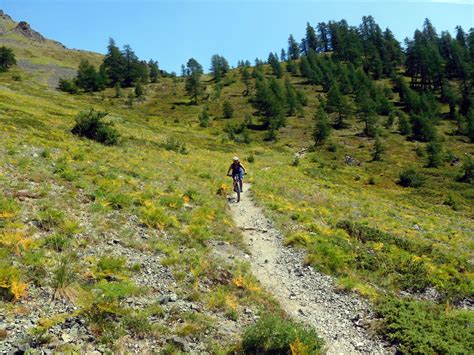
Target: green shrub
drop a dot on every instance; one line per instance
(175, 145)
(227, 109)
(111, 264)
(423, 129)
(453, 202)
(204, 118)
(467, 171)
(57, 242)
(404, 125)
(426, 328)
(49, 218)
(411, 178)
(274, 335)
(137, 324)
(90, 124)
(68, 85)
(434, 150)
(115, 291)
(296, 161)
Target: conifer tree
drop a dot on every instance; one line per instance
(88, 78)
(245, 75)
(367, 114)
(293, 49)
(322, 127)
(275, 64)
(7, 58)
(204, 117)
(434, 153)
(311, 38)
(114, 63)
(193, 85)
(378, 149)
(339, 104)
(154, 70)
(219, 67)
(324, 37)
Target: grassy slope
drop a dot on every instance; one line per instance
(86, 194)
(108, 185)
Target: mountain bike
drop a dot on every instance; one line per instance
(236, 181)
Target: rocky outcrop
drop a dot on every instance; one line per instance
(4, 16)
(24, 29)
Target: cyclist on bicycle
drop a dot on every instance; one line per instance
(237, 170)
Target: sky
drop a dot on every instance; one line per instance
(172, 31)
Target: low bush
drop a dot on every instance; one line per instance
(426, 328)
(90, 124)
(49, 218)
(227, 109)
(275, 335)
(411, 178)
(68, 85)
(175, 145)
(467, 171)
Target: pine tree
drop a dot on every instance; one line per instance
(114, 63)
(154, 71)
(291, 98)
(133, 70)
(7, 58)
(404, 125)
(219, 67)
(88, 78)
(293, 49)
(245, 75)
(366, 113)
(204, 117)
(461, 36)
(323, 37)
(338, 103)
(311, 38)
(275, 64)
(283, 56)
(378, 149)
(423, 129)
(138, 90)
(434, 152)
(322, 127)
(118, 90)
(268, 101)
(470, 125)
(193, 85)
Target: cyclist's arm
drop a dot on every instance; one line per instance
(230, 168)
(243, 168)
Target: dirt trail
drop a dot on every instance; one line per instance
(306, 295)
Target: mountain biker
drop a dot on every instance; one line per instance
(237, 169)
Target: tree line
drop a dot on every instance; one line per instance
(119, 68)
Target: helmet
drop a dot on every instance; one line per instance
(235, 159)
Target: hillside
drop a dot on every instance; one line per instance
(133, 247)
(44, 60)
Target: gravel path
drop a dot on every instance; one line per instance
(305, 294)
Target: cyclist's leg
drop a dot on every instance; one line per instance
(241, 178)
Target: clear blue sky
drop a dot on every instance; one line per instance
(173, 31)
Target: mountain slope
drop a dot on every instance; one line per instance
(120, 247)
(44, 60)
